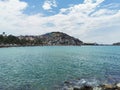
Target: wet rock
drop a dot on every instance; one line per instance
(108, 87)
(97, 88)
(118, 86)
(67, 82)
(87, 88)
(83, 88)
(71, 88)
(76, 88)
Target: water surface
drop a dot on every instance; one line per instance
(44, 68)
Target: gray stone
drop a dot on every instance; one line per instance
(71, 88)
(108, 87)
(76, 88)
(118, 85)
(97, 88)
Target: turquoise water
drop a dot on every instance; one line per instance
(44, 68)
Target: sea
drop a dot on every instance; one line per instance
(48, 67)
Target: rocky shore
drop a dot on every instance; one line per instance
(101, 87)
(90, 85)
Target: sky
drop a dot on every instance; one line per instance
(89, 20)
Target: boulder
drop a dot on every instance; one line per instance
(97, 88)
(84, 88)
(76, 88)
(71, 88)
(108, 87)
(118, 86)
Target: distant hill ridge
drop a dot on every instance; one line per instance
(53, 38)
(59, 38)
(118, 43)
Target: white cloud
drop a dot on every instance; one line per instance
(104, 12)
(93, 1)
(49, 4)
(82, 21)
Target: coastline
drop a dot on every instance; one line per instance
(84, 84)
(8, 46)
(48, 39)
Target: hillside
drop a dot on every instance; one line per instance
(118, 43)
(53, 38)
(59, 38)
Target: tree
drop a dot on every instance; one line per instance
(1, 39)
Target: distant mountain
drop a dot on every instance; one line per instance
(93, 44)
(118, 43)
(59, 38)
(53, 38)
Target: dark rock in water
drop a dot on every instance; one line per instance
(67, 82)
(87, 88)
(83, 88)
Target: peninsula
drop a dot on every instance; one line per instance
(48, 39)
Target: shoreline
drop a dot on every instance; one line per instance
(8, 46)
(100, 87)
(84, 84)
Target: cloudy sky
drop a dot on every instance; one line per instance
(89, 20)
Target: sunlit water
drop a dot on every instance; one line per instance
(47, 67)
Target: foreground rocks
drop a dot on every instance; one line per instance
(118, 86)
(102, 87)
(84, 85)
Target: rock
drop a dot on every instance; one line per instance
(76, 88)
(67, 82)
(97, 88)
(108, 87)
(87, 88)
(118, 86)
(83, 88)
(71, 88)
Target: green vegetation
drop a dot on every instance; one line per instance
(53, 38)
(9, 39)
(13, 40)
